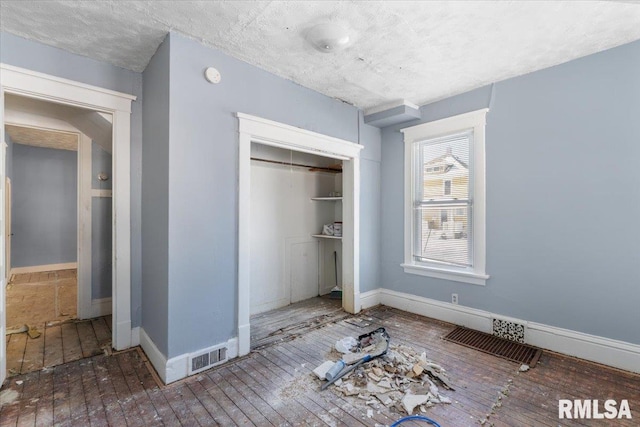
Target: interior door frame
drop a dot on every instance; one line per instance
(254, 129)
(45, 87)
(8, 225)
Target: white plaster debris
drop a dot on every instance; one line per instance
(410, 401)
(322, 370)
(8, 397)
(401, 379)
(524, 368)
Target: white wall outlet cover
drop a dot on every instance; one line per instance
(212, 75)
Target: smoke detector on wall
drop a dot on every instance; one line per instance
(212, 75)
(329, 37)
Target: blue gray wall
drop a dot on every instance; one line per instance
(44, 206)
(562, 150)
(203, 199)
(370, 199)
(155, 198)
(101, 225)
(35, 56)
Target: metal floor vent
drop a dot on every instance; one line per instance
(210, 358)
(516, 352)
(508, 330)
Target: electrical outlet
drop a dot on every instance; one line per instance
(454, 298)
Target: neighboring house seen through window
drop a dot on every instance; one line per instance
(444, 206)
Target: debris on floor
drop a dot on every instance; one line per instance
(33, 332)
(17, 329)
(322, 370)
(400, 379)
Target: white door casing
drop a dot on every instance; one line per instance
(254, 129)
(45, 87)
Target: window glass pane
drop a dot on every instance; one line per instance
(444, 234)
(443, 200)
(445, 168)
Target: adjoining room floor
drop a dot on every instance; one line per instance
(275, 386)
(58, 343)
(46, 303)
(36, 298)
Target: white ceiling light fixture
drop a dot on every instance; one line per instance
(329, 37)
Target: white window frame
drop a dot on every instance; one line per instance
(476, 121)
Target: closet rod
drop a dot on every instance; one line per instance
(313, 168)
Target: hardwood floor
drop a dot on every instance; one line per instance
(288, 322)
(274, 386)
(58, 343)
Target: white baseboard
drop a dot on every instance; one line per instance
(123, 335)
(41, 268)
(176, 368)
(101, 307)
(157, 359)
(619, 354)
(369, 299)
(135, 336)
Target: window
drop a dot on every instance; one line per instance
(447, 187)
(444, 198)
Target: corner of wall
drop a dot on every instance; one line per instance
(175, 368)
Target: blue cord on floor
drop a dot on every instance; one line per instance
(415, 417)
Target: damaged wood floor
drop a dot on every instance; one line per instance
(273, 386)
(58, 343)
(37, 298)
(288, 322)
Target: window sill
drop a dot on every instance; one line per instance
(441, 273)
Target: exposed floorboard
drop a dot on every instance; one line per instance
(274, 386)
(288, 322)
(58, 343)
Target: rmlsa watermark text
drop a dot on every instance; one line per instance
(593, 409)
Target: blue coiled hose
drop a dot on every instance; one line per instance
(415, 417)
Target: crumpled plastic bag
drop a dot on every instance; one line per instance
(345, 344)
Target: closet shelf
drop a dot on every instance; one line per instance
(324, 236)
(326, 199)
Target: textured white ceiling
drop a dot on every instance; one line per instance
(42, 138)
(419, 51)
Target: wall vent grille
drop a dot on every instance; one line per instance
(209, 358)
(509, 330)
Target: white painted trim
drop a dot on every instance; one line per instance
(85, 310)
(135, 336)
(177, 368)
(438, 273)
(619, 354)
(33, 84)
(475, 120)
(269, 132)
(370, 299)
(54, 89)
(41, 268)
(257, 130)
(101, 193)
(3, 267)
(101, 307)
(157, 359)
(390, 105)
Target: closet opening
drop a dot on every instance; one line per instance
(295, 243)
(291, 161)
